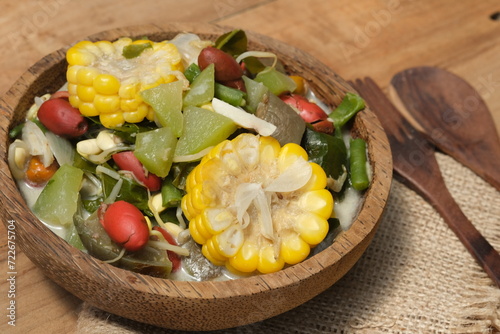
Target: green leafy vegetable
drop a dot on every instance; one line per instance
(234, 42)
(328, 151)
(128, 132)
(130, 191)
(134, 50)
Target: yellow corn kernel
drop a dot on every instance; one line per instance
(269, 149)
(107, 104)
(129, 105)
(294, 249)
(197, 199)
(247, 258)
(207, 253)
(85, 93)
(187, 207)
(288, 154)
(239, 221)
(79, 55)
(105, 46)
(74, 101)
(200, 227)
(229, 242)
(141, 41)
(311, 228)
(111, 120)
(129, 90)
(268, 262)
(136, 116)
(151, 114)
(211, 248)
(71, 74)
(197, 237)
(190, 181)
(318, 179)
(86, 75)
(106, 84)
(72, 89)
(216, 220)
(318, 201)
(88, 109)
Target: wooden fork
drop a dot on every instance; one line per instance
(415, 163)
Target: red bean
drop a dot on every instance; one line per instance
(226, 67)
(125, 224)
(172, 256)
(61, 118)
(128, 161)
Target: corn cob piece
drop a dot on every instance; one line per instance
(105, 78)
(255, 206)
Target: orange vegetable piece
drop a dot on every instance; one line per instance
(37, 173)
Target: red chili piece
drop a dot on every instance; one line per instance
(310, 112)
(61, 118)
(126, 160)
(125, 224)
(172, 256)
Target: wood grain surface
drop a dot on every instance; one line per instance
(376, 38)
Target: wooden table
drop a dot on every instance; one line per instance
(374, 38)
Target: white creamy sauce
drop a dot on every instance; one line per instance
(348, 208)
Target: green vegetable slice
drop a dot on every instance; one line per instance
(202, 88)
(202, 128)
(166, 101)
(57, 201)
(155, 150)
(277, 82)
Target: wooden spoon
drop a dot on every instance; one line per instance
(414, 161)
(453, 116)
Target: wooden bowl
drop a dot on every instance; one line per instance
(192, 305)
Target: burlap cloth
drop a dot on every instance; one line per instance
(416, 276)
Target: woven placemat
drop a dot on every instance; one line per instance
(415, 277)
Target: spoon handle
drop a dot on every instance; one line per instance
(441, 199)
